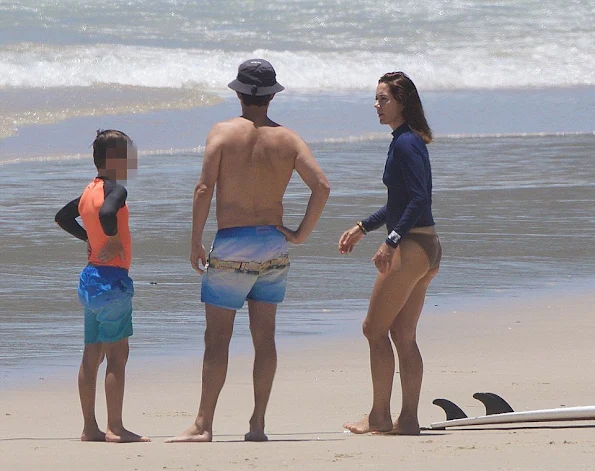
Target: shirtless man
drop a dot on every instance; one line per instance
(250, 160)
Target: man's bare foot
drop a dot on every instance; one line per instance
(192, 434)
(254, 436)
(92, 435)
(364, 426)
(124, 436)
(403, 427)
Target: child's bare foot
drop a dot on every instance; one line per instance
(364, 426)
(92, 435)
(192, 434)
(124, 436)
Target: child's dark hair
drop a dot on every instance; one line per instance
(109, 139)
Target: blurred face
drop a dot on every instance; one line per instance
(389, 110)
(117, 165)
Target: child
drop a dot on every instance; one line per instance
(105, 289)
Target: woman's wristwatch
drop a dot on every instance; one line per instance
(393, 239)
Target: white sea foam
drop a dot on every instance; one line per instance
(37, 65)
(314, 44)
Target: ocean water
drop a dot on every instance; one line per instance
(508, 87)
(194, 47)
(316, 44)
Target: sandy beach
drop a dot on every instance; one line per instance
(509, 92)
(535, 352)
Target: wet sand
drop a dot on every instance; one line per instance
(536, 352)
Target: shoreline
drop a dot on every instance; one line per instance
(451, 113)
(30, 373)
(533, 352)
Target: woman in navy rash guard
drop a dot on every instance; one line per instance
(407, 260)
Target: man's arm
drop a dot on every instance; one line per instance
(313, 176)
(66, 219)
(203, 195)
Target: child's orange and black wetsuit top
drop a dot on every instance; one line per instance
(104, 212)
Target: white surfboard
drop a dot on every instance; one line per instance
(454, 418)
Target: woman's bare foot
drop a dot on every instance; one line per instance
(361, 426)
(365, 426)
(256, 433)
(192, 434)
(92, 435)
(124, 436)
(404, 427)
(254, 436)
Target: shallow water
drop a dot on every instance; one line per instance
(513, 213)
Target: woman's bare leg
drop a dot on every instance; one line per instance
(390, 293)
(403, 333)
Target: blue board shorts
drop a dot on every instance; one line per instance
(106, 294)
(248, 262)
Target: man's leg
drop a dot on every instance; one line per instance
(214, 370)
(117, 357)
(262, 328)
(93, 355)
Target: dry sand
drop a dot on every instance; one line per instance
(536, 353)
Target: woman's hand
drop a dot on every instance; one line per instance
(349, 239)
(384, 258)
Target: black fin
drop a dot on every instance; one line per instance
(452, 410)
(493, 403)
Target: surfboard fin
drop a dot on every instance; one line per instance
(493, 403)
(450, 408)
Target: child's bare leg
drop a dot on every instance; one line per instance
(117, 356)
(93, 355)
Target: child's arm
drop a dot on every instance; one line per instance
(66, 219)
(115, 198)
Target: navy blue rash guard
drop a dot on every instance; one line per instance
(408, 177)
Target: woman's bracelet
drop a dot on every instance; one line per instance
(361, 226)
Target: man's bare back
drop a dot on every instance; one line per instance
(250, 160)
(256, 163)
